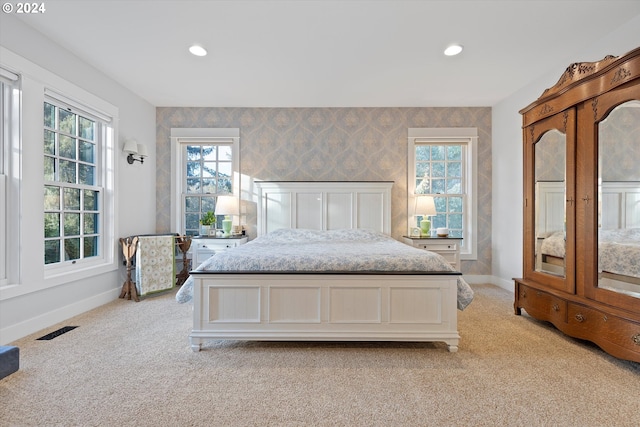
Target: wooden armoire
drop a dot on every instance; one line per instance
(581, 266)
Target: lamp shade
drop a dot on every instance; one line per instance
(227, 205)
(425, 206)
(142, 150)
(131, 147)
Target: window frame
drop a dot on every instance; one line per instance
(26, 214)
(96, 186)
(449, 136)
(180, 137)
(10, 111)
(445, 178)
(104, 143)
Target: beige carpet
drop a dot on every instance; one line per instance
(130, 364)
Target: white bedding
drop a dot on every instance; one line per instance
(618, 253)
(300, 250)
(554, 244)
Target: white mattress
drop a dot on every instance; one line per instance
(353, 250)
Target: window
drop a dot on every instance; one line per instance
(442, 164)
(439, 173)
(208, 174)
(205, 162)
(72, 190)
(9, 137)
(61, 128)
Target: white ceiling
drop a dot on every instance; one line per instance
(348, 53)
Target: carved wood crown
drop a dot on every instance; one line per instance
(581, 81)
(578, 71)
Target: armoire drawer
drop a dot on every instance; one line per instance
(542, 305)
(589, 323)
(584, 321)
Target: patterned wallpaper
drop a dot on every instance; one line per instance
(550, 156)
(331, 144)
(619, 137)
(620, 144)
(619, 151)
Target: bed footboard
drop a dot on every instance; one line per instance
(325, 307)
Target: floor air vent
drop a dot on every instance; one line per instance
(57, 333)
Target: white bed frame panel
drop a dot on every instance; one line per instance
(312, 307)
(325, 306)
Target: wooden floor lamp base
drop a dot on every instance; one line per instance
(184, 243)
(129, 291)
(129, 246)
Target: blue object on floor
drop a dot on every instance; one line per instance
(9, 360)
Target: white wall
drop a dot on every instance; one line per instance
(507, 224)
(30, 306)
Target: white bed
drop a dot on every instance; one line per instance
(618, 235)
(295, 297)
(618, 251)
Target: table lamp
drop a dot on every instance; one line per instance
(227, 206)
(425, 207)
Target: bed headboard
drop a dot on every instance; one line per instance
(620, 207)
(550, 202)
(324, 205)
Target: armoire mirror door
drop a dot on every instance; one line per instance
(615, 272)
(549, 209)
(550, 204)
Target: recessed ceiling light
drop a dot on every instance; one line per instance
(198, 50)
(452, 50)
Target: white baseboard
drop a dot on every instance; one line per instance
(494, 280)
(46, 320)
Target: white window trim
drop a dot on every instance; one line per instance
(4, 276)
(468, 136)
(9, 194)
(182, 136)
(28, 259)
(106, 144)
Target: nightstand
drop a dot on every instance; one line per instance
(448, 247)
(204, 247)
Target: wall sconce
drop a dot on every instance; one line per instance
(425, 207)
(133, 149)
